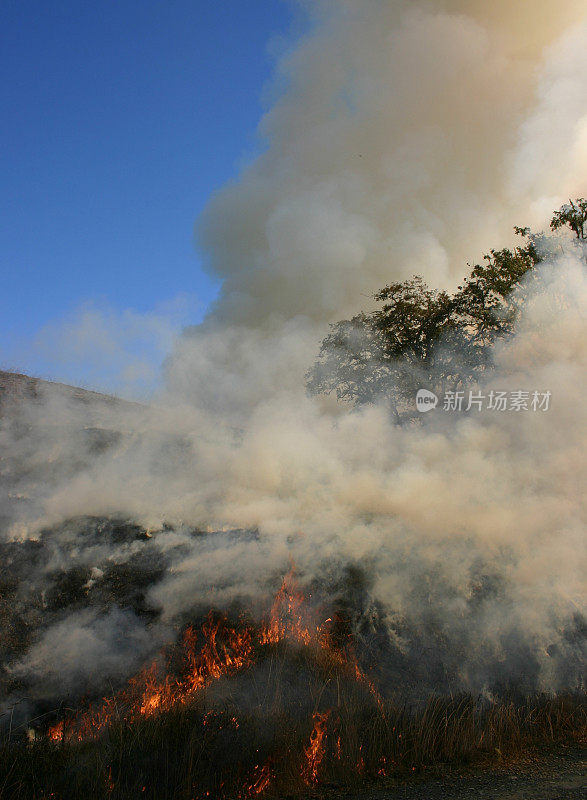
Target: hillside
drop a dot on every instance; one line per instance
(16, 388)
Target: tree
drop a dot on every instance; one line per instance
(387, 352)
(424, 338)
(574, 216)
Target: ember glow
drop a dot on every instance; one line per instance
(261, 779)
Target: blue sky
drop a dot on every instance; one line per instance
(119, 118)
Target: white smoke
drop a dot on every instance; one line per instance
(408, 137)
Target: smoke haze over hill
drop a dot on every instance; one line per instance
(402, 138)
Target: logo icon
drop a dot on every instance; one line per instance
(425, 400)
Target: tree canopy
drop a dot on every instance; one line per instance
(419, 337)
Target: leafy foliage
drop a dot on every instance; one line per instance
(422, 337)
(572, 215)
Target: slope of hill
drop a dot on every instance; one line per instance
(16, 388)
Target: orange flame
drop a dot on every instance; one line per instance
(147, 695)
(215, 651)
(286, 618)
(315, 751)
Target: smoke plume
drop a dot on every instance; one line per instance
(401, 138)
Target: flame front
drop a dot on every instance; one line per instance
(219, 650)
(147, 694)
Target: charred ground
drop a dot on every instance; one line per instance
(366, 695)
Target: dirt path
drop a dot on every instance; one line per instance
(556, 776)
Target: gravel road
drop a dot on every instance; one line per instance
(560, 776)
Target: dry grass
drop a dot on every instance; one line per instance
(251, 736)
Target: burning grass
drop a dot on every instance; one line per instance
(270, 709)
(197, 752)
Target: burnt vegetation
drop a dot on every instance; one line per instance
(297, 720)
(275, 709)
(320, 686)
